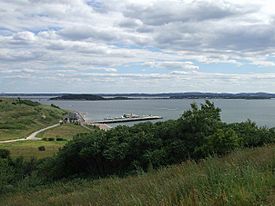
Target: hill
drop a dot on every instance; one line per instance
(19, 117)
(244, 177)
(88, 97)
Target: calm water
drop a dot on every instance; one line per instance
(260, 111)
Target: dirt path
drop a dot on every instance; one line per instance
(32, 136)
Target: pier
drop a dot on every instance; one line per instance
(132, 119)
(77, 117)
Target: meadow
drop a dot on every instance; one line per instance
(19, 118)
(244, 177)
(65, 131)
(29, 149)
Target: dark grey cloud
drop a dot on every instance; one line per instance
(164, 12)
(245, 37)
(130, 23)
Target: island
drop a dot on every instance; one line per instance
(87, 97)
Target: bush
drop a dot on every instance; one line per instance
(4, 153)
(60, 139)
(27, 102)
(12, 171)
(7, 174)
(55, 106)
(50, 139)
(41, 148)
(251, 135)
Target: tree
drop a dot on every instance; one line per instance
(197, 124)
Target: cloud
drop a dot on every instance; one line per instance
(173, 65)
(164, 12)
(168, 42)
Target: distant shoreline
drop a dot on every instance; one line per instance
(143, 96)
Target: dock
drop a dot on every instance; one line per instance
(132, 119)
(77, 117)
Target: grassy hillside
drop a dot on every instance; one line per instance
(20, 118)
(66, 131)
(29, 149)
(244, 177)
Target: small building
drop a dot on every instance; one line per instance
(72, 117)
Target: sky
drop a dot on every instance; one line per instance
(127, 46)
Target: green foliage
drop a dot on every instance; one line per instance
(243, 177)
(14, 171)
(19, 117)
(251, 135)
(41, 148)
(27, 102)
(60, 139)
(55, 106)
(7, 174)
(4, 153)
(197, 125)
(125, 150)
(221, 142)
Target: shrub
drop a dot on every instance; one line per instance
(59, 139)
(55, 106)
(41, 148)
(4, 153)
(251, 135)
(6, 174)
(50, 139)
(27, 102)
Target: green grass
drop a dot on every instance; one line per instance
(19, 120)
(242, 178)
(29, 149)
(66, 131)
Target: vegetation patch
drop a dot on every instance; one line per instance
(199, 133)
(244, 177)
(29, 149)
(65, 131)
(195, 160)
(19, 118)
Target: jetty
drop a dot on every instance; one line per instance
(76, 117)
(128, 119)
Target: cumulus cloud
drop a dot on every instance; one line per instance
(169, 42)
